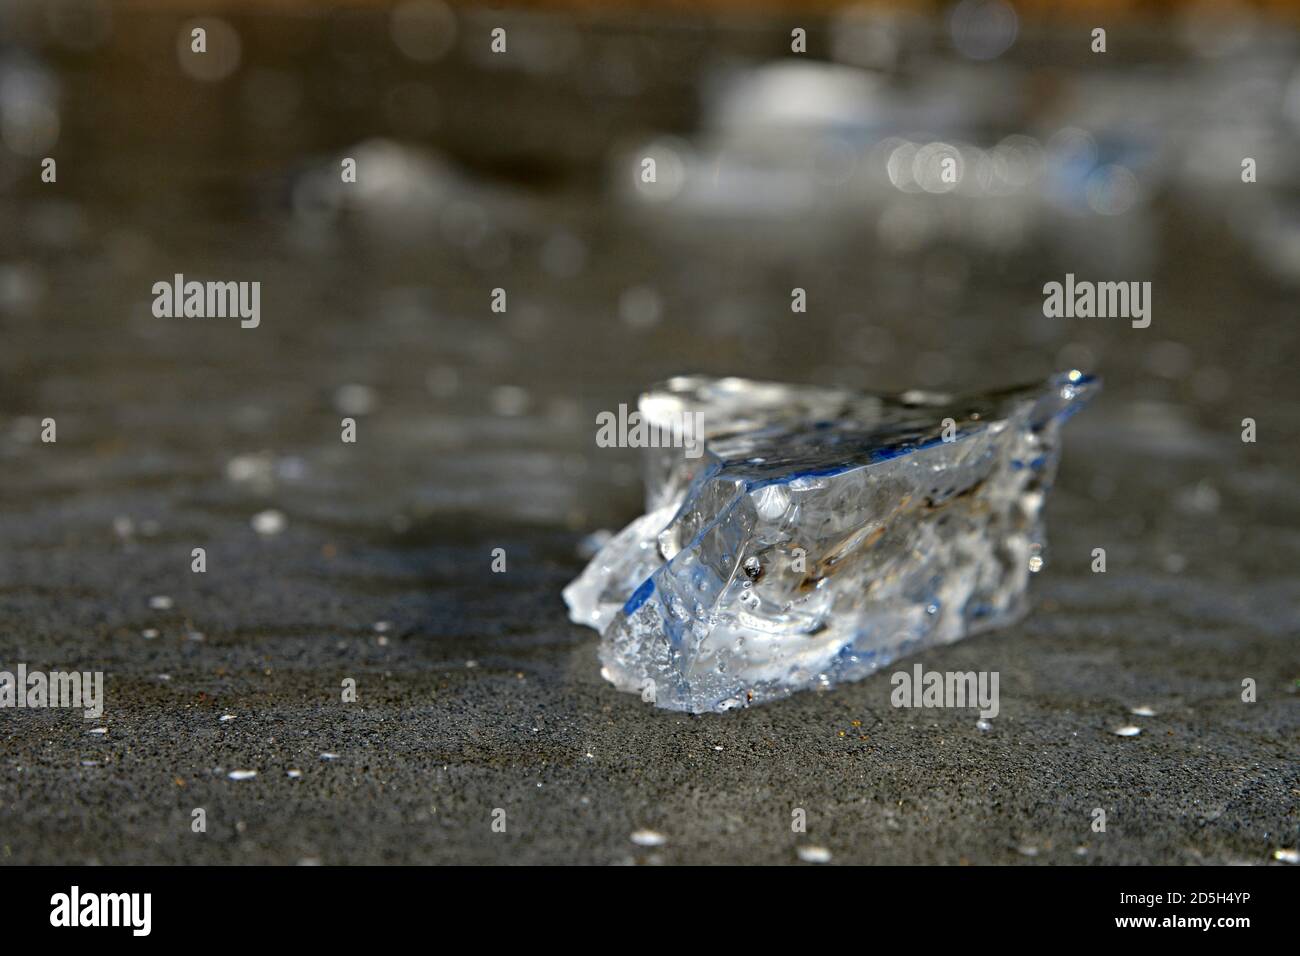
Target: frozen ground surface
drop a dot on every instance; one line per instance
(477, 433)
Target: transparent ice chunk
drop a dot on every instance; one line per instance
(822, 534)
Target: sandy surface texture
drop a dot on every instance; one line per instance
(475, 431)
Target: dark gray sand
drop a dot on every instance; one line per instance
(479, 435)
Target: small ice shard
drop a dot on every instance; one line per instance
(822, 534)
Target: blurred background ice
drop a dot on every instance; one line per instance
(775, 170)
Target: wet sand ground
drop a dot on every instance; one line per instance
(476, 432)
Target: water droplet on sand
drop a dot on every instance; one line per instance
(648, 838)
(269, 522)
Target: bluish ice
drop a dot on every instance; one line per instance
(821, 535)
